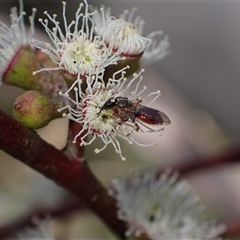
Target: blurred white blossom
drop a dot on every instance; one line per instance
(162, 207)
(42, 229)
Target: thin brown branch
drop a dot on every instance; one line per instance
(225, 158)
(230, 156)
(73, 175)
(74, 150)
(232, 230)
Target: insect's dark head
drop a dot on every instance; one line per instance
(110, 103)
(121, 102)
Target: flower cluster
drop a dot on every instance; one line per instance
(164, 207)
(91, 80)
(101, 40)
(85, 52)
(95, 53)
(77, 50)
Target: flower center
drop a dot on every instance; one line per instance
(100, 121)
(124, 36)
(80, 56)
(128, 30)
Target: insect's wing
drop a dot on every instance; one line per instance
(152, 116)
(165, 118)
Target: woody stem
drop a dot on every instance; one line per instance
(72, 174)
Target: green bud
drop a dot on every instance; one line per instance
(34, 109)
(21, 68)
(19, 71)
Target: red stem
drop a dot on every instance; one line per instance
(232, 230)
(73, 175)
(230, 156)
(74, 149)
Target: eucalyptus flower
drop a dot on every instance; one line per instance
(126, 32)
(42, 229)
(75, 49)
(162, 207)
(110, 123)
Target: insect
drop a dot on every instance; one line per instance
(126, 110)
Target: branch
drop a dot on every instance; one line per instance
(232, 230)
(230, 156)
(73, 175)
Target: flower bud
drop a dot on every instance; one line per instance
(34, 109)
(15, 45)
(20, 68)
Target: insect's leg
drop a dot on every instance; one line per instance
(136, 127)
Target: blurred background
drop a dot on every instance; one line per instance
(200, 84)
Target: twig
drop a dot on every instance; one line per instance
(227, 157)
(232, 230)
(73, 175)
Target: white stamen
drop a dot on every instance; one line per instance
(163, 207)
(105, 123)
(76, 49)
(123, 33)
